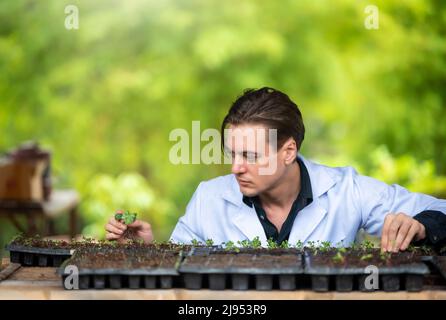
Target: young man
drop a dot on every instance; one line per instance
(274, 192)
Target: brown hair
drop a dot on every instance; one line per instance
(271, 108)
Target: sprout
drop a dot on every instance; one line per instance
(299, 245)
(285, 244)
(256, 243)
(271, 243)
(125, 217)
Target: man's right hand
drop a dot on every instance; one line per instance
(117, 230)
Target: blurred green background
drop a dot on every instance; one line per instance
(105, 97)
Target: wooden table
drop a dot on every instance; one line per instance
(45, 284)
(60, 202)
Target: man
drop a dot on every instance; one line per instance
(298, 200)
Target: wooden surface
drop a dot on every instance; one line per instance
(45, 284)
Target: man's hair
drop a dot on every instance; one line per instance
(271, 108)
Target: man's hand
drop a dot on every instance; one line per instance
(398, 232)
(137, 230)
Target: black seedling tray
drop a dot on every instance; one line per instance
(440, 264)
(37, 257)
(120, 278)
(344, 279)
(236, 276)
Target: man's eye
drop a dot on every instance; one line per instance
(251, 157)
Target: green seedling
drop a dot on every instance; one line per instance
(325, 246)
(244, 243)
(271, 244)
(256, 243)
(230, 246)
(339, 257)
(366, 257)
(209, 242)
(285, 244)
(125, 217)
(299, 245)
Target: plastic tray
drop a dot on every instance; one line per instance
(324, 278)
(237, 277)
(38, 257)
(117, 278)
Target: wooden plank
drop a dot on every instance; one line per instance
(44, 283)
(8, 270)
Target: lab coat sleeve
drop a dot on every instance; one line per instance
(376, 199)
(189, 226)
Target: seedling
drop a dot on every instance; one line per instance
(125, 217)
(195, 242)
(299, 245)
(209, 242)
(271, 244)
(244, 243)
(230, 246)
(366, 257)
(256, 243)
(325, 246)
(368, 245)
(339, 257)
(285, 244)
(385, 255)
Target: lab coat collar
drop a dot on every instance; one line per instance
(306, 221)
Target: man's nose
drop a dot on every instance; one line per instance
(238, 166)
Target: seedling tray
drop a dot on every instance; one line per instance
(219, 270)
(325, 277)
(38, 257)
(440, 264)
(125, 269)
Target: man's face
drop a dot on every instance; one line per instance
(256, 162)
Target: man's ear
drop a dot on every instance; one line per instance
(290, 151)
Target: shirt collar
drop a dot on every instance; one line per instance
(305, 193)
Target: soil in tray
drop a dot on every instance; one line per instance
(123, 258)
(363, 258)
(223, 260)
(40, 243)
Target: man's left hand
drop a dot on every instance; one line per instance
(398, 232)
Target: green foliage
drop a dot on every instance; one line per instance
(271, 244)
(125, 217)
(285, 244)
(256, 243)
(104, 98)
(230, 246)
(339, 257)
(299, 245)
(244, 243)
(209, 242)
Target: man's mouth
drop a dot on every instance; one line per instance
(243, 182)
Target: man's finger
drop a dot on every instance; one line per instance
(112, 236)
(385, 231)
(402, 233)
(409, 237)
(117, 224)
(393, 231)
(113, 229)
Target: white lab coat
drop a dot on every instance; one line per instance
(343, 202)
